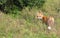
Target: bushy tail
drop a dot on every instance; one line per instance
(49, 28)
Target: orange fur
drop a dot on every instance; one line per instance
(47, 20)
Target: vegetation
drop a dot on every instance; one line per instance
(10, 5)
(17, 18)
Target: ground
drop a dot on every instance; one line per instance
(26, 28)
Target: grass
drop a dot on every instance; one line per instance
(25, 25)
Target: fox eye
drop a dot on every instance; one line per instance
(38, 16)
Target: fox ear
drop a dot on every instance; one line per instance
(40, 12)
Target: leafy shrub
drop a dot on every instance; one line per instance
(20, 4)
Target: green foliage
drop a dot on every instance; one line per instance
(10, 5)
(32, 3)
(2, 2)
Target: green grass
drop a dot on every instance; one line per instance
(20, 27)
(23, 24)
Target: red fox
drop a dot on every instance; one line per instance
(49, 21)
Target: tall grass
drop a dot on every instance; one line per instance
(23, 24)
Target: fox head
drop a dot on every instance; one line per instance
(40, 15)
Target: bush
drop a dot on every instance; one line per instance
(32, 3)
(20, 4)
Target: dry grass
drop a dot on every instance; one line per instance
(26, 26)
